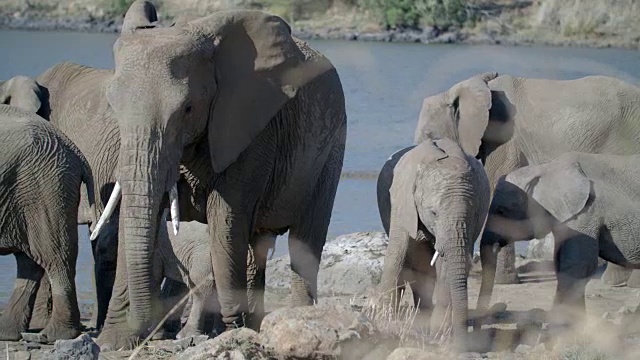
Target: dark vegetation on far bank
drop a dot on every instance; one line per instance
(593, 23)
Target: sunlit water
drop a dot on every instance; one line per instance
(384, 85)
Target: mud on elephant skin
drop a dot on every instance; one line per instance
(433, 200)
(508, 117)
(41, 172)
(589, 203)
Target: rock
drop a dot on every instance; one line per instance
(190, 341)
(606, 315)
(541, 249)
(412, 354)
(80, 348)
(237, 344)
(522, 349)
(22, 355)
(497, 309)
(318, 332)
(626, 310)
(31, 346)
(469, 356)
(34, 337)
(351, 264)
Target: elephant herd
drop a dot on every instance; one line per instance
(213, 136)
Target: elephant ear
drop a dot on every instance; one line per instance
(561, 188)
(141, 15)
(404, 183)
(23, 92)
(471, 101)
(259, 68)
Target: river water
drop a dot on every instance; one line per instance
(384, 85)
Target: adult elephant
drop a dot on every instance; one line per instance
(521, 121)
(270, 112)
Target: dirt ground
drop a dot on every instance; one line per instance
(605, 307)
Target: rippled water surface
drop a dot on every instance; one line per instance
(384, 85)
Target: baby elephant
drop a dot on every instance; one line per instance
(41, 172)
(590, 204)
(433, 200)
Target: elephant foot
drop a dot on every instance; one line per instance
(163, 334)
(634, 279)
(117, 337)
(10, 332)
(53, 332)
(616, 276)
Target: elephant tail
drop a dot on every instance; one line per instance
(87, 179)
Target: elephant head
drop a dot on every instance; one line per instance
(528, 203)
(218, 79)
(470, 113)
(438, 188)
(23, 92)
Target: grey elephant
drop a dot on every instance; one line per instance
(521, 121)
(41, 172)
(590, 204)
(433, 200)
(267, 108)
(616, 275)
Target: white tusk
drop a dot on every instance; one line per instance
(175, 209)
(108, 210)
(435, 256)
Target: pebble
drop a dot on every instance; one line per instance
(522, 349)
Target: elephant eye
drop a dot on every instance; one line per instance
(187, 109)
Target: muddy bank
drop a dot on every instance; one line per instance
(351, 323)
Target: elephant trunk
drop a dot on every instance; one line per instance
(143, 186)
(488, 259)
(453, 239)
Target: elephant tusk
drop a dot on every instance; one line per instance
(435, 256)
(175, 209)
(108, 210)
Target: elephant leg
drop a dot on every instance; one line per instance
(505, 159)
(576, 261)
(204, 305)
(424, 280)
(634, 279)
(307, 238)
(15, 317)
(230, 233)
(171, 293)
(61, 270)
(43, 305)
(616, 275)
(506, 272)
(256, 269)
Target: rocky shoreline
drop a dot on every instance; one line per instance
(350, 322)
(41, 21)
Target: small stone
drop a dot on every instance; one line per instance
(22, 355)
(80, 348)
(606, 315)
(412, 354)
(540, 348)
(31, 346)
(469, 356)
(522, 349)
(34, 337)
(626, 310)
(492, 355)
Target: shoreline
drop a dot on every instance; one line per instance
(427, 36)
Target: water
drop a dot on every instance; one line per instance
(384, 85)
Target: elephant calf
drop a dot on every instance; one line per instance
(590, 204)
(41, 172)
(433, 199)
